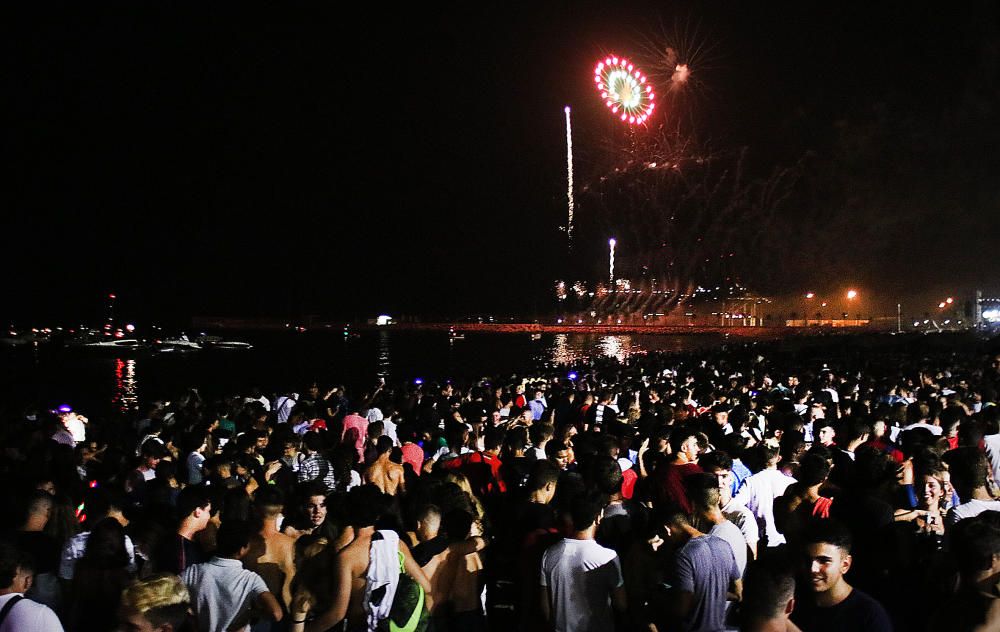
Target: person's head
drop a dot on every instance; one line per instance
(383, 445)
(152, 452)
(367, 504)
(313, 442)
(428, 522)
(233, 539)
(37, 510)
(194, 507)
(975, 544)
(720, 465)
(813, 470)
(543, 480)
(685, 442)
(17, 570)
(703, 491)
(541, 433)
(828, 554)
(158, 603)
(676, 524)
(559, 453)
(826, 433)
(969, 470)
(106, 546)
(269, 502)
(768, 592)
(314, 502)
(585, 512)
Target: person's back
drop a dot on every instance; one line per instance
(758, 494)
(272, 553)
(581, 580)
(581, 575)
(383, 473)
(368, 568)
(705, 566)
(222, 591)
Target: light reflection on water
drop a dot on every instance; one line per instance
(566, 348)
(126, 392)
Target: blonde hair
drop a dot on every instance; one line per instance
(158, 591)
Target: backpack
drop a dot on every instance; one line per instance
(408, 612)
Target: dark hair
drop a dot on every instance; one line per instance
(191, 498)
(703, 490)
(828, 532)
(368, 504)
(813, 469)
(383, 444)
(974, 543)
(268, 497)
(584, 510)
(12, 559)
(232, 537)
(543, 473)
(603, 475)
(768, 584)
(969, 470)
(105, 546)
(717, 460)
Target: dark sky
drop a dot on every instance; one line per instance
(269, 161)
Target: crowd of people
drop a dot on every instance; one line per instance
(760, 487)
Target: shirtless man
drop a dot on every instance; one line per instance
(272, 553)
(451, 562)
(367, 504)
(383, 473)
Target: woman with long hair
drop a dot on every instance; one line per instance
(100, 577)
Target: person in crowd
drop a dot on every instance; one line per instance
(832, 604)
(383, 473)
(99, 579)
(272, 553)
(17, 612)
(368, 568)
(581, 581)
(180, 549)
(158, 603)
(223, 593)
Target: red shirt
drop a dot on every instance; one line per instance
(356, 428)
(414, 455)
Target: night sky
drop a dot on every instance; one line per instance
(280, 161)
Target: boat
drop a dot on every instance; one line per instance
(217, 343)
(180, 344)
(117, 345)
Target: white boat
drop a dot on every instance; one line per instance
(180, 344)
(215, 342)
(118, 344)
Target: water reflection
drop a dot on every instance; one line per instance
(384, 360)
(567, 349)
(126, 393)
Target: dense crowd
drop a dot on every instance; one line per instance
(825, 487)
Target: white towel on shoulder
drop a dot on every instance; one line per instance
(383, 572)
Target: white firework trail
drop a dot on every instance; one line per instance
(569, 179)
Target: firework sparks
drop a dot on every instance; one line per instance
(611, 260)
(569, 179)
(625, 90)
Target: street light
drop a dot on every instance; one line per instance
(851, 295)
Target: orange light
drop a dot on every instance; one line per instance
(851, 295)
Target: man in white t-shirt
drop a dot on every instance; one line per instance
(581, 580)
(17, 613)
(969, 472)
(760, 490)
(222, 591)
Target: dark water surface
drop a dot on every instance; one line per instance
(106, 383)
